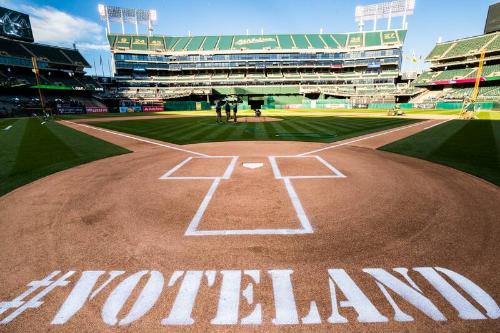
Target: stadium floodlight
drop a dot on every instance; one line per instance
(384, 10)
(127, 15)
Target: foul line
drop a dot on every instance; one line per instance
(437, 124)
(138, 139)
(363, 138)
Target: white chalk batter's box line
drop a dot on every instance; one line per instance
(277, 172)
(306, 227)
(226, 175)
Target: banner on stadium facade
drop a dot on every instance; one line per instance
(61, 109)
(94, 109)
(424, 106)
(445, 82)
(152, 108)
(130, 108)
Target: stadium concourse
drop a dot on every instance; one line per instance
(252, 235)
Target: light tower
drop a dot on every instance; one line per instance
(127, 15)
(384, 10)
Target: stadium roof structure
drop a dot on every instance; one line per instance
(49, 54)
(257, 43)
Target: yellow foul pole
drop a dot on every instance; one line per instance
(37, 73)
(475, 92)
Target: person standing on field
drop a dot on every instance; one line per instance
(218, 111)
(235, 111)
(228, 112)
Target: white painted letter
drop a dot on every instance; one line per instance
(147, 298)
(229, 300)
(184, 302)
(409, 294)
(284, 300)
(367, 312)
(465, 309)
(81, 293)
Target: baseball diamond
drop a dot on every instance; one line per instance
(258, 182)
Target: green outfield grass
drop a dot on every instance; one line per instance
(205, 129)
(470, 146)
(30, 150)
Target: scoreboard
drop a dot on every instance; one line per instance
(493, 19)
(15, 25)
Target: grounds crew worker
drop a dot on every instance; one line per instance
(228, 112)
(218, 111)
(235, 111)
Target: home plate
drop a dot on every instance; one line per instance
(253, 165)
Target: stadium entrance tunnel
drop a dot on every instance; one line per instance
(256, 102)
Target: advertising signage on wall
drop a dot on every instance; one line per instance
(15, 25)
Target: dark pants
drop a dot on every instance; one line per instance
(235, 117)
(228, 116)
(219, 116)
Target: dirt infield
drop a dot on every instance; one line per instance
(252, 236)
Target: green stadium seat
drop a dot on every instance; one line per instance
(316, 41)
(341, 39)
(225, 43)
(438, 51)
(195, 43)
(181, 43)
(495, 44)
(52, 54)
(111, 40)
(210, 43)
(373, 39)
(329, 41)
(491, 70)
(402, 36)
(301, 41)
(286, 42)
(468, 46)
(451, 74)
(170, 42)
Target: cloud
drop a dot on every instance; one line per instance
(53, 26)
(90, 46)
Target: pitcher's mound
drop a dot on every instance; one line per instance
(260, 119)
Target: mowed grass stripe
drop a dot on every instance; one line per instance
(470, 146)
(10, 141)
(204, 129)
(35, 150)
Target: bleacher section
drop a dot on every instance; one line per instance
(360, 63)
(51, 54)
(59, 67)
(257, 42)
(465, 47)
(455, 68)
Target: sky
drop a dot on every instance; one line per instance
(62, 23)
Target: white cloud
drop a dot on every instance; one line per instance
(53, 26)
(90, 46)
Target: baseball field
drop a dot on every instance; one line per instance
(301, 220)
